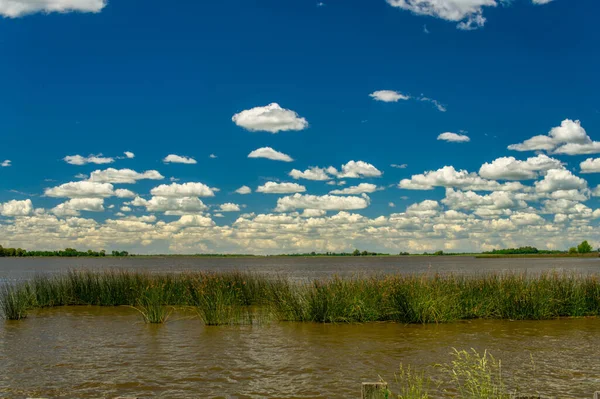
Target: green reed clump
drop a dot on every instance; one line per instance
(153, 304)
(219, 300)
(225, 298)
(345, 300)
(469, 375)
(15, 301)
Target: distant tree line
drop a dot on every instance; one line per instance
(583, 248)
(67, 252)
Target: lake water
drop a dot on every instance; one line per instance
(92, 352)
(297, 268)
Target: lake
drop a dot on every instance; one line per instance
(91, 352)
(302, 267)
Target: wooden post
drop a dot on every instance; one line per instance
(597, 395)
(374, 390)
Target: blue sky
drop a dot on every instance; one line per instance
(361, 84)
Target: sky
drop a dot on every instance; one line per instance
(270, 127)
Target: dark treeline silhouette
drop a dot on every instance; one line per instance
(67, 252)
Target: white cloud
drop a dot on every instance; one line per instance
(557, 179)
(325, 202)
(122, 193)
(590, 165)
(271, 118)
(399, 166)
(360, 189)
(73, 206)
(469, 13)
(569, 138)
(450, 177)
(213, 156)
(388, 96)
(175, 190)
(129, 154)
(18, 8)
(312, 173)
(440, 107)
(172, 158)
(244, 190)
(81, 189)
(170, 205)
(541, 1)
(6, 163)
(356, 169)
(16, 208)
(280, 188)
(454, 137)
(509, 168)
(313, 213)
(112, 175)
(269, 153)
(79, 160)
(229, 207)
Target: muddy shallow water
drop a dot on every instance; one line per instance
(92, 352)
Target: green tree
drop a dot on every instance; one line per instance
(584, 248)
(572, 250)
(356, 252)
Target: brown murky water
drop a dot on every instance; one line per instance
(91, 352)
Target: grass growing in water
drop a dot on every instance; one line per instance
(227, 298)
(152, 305)
(14, 302)
(469, 375)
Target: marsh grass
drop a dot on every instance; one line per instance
(469, 375)
(153, 305)
(234, 297)
(15, 301)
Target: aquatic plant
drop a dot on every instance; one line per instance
(230, 297)
(15, 301)
(152, 305)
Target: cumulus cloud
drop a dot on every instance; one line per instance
(509, 168)
(16, 208)
(129, 154)
(450, 177)
(81, 189)
(269, 153)
(359, 189)
(229, 207)
(325, 202)
(171, 205)
(590, 165)
(175, 190)
(560, 180)
(312, 173)
(569, 138)
(6, 163)
(454, 137)
(122, 193)
(172, 158)
(271, 118)
(356, 169)
(73, 206)
(469, 13)
(280, 188)
(244, 190)
(112, 175)
(19, 8)
(80, 160)
(388, 96)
